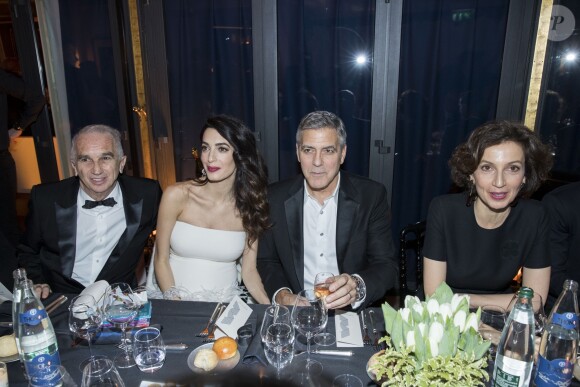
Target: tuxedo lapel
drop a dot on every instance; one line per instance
(66, 225)
(346, 213)
(294, 207)
(133, 207)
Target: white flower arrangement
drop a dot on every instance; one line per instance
(435, 342)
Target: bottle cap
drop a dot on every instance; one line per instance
(526, 292)
(571, 284)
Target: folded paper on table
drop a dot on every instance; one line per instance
(142, 320)
(235, 315)
(348, 330)
(255, 352)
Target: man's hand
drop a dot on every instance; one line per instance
(284, 297)
(343, 292)
(42, 290)
(14, 133)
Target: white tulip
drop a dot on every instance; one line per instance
(411, 300)
(432, 306)
(422, 327)
(459, 320)
(472, 322)
(445, 311)
(418, 308)
(436, 332)
(411, 339)
(434, 347)
(405, 312)
(456, 300)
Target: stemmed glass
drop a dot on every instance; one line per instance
(101, 372)
(84, 320)
(279, 344)
(274, 314)
(309, 316)
(321, 288)
(120, 309)
(494, 318)
(539, 313)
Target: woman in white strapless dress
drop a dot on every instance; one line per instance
(209, 226)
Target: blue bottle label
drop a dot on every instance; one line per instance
(33, 316)
(566, 320)
(44, 369)
(557, 372)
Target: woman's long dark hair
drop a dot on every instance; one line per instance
(251, 182)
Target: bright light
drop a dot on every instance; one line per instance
(571, 57)
(361, 59)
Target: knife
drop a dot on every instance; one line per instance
(330, 352)
(176, 347)
(5, 324)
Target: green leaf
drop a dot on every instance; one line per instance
(420, 349)
(397, 332)
(443, 293)
(389, 315)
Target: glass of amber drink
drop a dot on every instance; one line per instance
(321, 290)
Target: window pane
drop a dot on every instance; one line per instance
(209, 54)
(325, 63)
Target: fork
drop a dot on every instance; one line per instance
(213, 318)
(211, 336)
(366, 338)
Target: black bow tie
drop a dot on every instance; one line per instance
(109, 202)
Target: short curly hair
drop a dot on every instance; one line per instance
(467, 156)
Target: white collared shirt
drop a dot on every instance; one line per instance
(319, 230)
(98, 231)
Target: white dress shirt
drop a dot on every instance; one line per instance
(98, 231)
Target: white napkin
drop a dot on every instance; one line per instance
(97, 290)
(348, 331)
(235, 315)
(5, 294)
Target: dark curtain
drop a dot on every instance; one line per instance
(450, 65)
(318, 46)
(209, 53)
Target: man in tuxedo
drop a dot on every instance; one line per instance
(327, 220)
(563, 207)
(93, 226)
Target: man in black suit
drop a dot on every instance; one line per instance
(326, 220)
(563, 207)
(93, 226)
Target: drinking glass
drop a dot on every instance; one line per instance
(274, 314)
(120, 309)
(346, 380)
(321, 288)
(539, 312)
(84, 320)
(494, 318)
(279, 345)
(148, 349)
(100, 373)
(309, 316)
(3, 375)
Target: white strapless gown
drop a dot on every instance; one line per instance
(203, 261)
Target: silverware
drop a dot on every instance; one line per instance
(330, 352)
(366, 337)
(376, 345)
(6, 324)
(176, 347)
(213, 326)
(213, 317)
(56, 303)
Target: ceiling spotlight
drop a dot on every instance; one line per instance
(571, 57)
(361, 59)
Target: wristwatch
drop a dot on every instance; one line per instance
(361, 289)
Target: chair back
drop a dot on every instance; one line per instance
(411, 240)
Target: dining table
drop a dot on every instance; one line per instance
(180, 322)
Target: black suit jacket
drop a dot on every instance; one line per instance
(49, 245)
(563, 208)
(364, 245)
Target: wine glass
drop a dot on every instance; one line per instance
(493, 320)
(279, 344)
(274, 314)
(309, 316)
(539, 312)
(148, 349)
(84, 320)
(120, 308)
(101, 372)
(321, 288)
